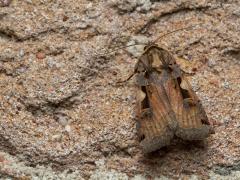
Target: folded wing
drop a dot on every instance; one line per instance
(191, 117)
(156, 119)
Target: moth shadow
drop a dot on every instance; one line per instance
(182, 157)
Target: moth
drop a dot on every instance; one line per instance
(167, 106)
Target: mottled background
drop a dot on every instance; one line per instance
(62, 115)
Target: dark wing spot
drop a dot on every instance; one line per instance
(145, 102)
(184, 92)
(142, 137)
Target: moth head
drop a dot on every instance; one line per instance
(149, 46)
(144, 62)
(155, 56)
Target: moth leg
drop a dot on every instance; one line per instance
(139, 67)
(188, 102)
(123, 81)
(146, 113)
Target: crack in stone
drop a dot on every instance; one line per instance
(11, 35)
(233, 52)
(225, 169)
(174, 11)
(6, 145)
(50, 107)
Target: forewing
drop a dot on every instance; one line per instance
(156, 119)
(192, 119)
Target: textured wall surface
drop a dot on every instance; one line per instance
(63, 117)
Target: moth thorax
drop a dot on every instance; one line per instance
(156, 61)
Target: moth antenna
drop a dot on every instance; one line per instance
(173, 32)
(121, 47)
(93, 70)
(127, 78)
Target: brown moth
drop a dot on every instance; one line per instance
(166, 104)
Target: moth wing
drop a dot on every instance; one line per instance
(156, 121)
(192, 119)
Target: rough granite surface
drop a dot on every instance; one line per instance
(62, 116)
